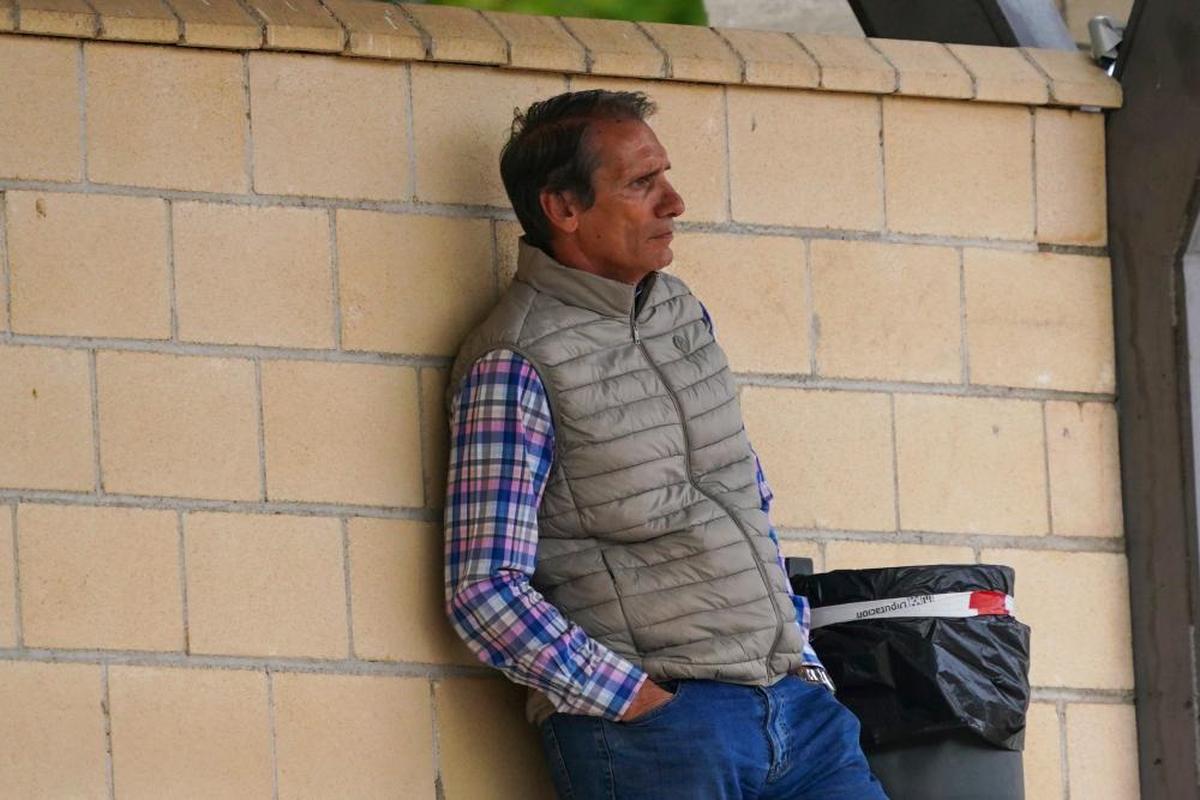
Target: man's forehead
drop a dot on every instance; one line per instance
(626, 144)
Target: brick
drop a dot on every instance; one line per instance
(507, 234)
(73, 18)
(971, 465)
(695, 53)
(690, 124)
(803, 549)
(870, 555)
(136, 20)
(53, 712)
(377, 30)
(772, 58)
(474, 710)
(1075, 80)
(190, 733)
(179, 426)
(808, 159)
(8, 16)
(165, 117)
(45, 402)
(1085, 469)
(1078, 12)
(1002, 74)
(459, 34)
(616, 47)
(435, 434)
(88, 265)
(100, 578)
(1071, 199)
(265, 585)
(40, 126)
(218, 23)
(936, 163)
(478, 106)
(1043, 756)
(252, 275)
(353, 736)
(1103, 751)
(827, 455)
(298, 25)
(398, 594)
(887, 312)
(1020, 332)
(538, 42)
(329, 127)
(753, 288)
(8, 589)
(1072, 649)
(849, 64)
(342, 433)
(387, 260)
(925, 68)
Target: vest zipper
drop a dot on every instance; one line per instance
(687, 444)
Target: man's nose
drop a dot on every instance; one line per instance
(672, 203)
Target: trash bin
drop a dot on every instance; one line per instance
(936, 668)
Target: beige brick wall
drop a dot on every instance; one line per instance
(231, 284)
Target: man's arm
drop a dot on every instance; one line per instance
(501, 451)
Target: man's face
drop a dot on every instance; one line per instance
(627, 232)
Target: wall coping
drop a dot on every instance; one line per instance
(382, 30)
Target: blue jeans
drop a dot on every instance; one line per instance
(715, 741)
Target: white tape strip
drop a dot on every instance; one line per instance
(953, 604)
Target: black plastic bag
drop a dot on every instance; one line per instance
(909, 678)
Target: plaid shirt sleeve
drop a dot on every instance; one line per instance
(501, 451)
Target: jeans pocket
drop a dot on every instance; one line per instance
(659, 711)
(552, 751)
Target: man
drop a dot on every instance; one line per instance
(608, 543)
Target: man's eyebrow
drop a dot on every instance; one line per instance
(651, 173)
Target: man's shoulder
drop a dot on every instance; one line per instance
(672, 288)
(505, 318)
(500, 328)
(673, 283)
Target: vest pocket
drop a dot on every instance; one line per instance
(612, 575)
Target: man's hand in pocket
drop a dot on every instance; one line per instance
(648, 698)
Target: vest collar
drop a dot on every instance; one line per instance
(576, 287)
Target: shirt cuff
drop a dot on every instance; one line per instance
(616, 714)
(608, 690)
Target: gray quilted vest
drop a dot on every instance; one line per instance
(650, 533)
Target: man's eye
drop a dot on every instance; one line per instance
(643, 181)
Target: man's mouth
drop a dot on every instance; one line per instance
(664, 237)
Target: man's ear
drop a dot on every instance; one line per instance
(561, 209)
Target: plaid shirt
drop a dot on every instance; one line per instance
(501, 450)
